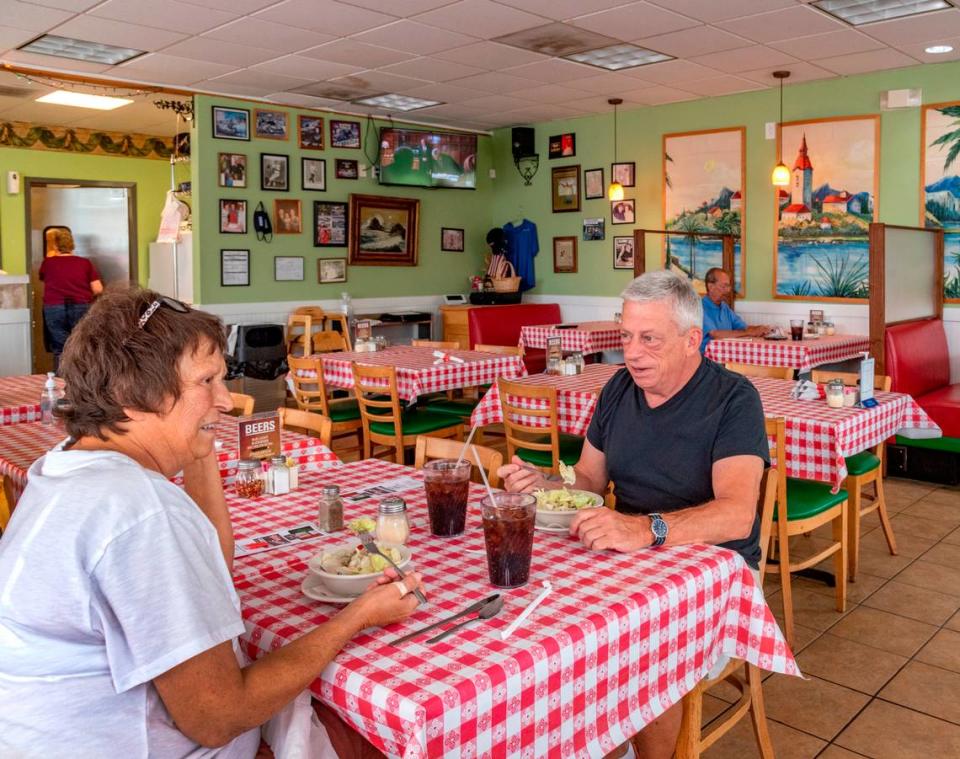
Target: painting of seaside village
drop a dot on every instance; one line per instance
(941, 186)
(824, 215)
(703, 192)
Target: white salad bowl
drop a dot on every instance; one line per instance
(347, 584)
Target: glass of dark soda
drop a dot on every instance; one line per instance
(447, 483)
(508, 531)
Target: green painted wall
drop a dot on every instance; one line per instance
(640, 134)
(437, 272)
(152, 178)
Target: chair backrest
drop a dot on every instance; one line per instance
(820, 376)
(917, 357)
(520, 403)
(777, 438)
(6, 501)
(443, 345)
(371, 384)
(765, 505)
(316, 313)
(341, 321)
(299, 331)
(506, 350)
(430, 448)
(310, 392)
(242, 404)
(753, 370)
(501, 324)
(319, 425)
(328, 341)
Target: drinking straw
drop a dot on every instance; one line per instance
(483, 476)
(509, 630)
(464, 449)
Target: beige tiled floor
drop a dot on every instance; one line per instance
(884, 678)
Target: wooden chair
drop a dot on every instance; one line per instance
(384, 422)
(443, 345)
(542, 446)
(328, 341)
(242, 404)
(754, 370)
(311, 395)
(862, 469)
(506, 350)
(299, 334)
(429, 448)
(692, 742)
(6, 502)
(317, 425)
(802, 506)
(343, 327)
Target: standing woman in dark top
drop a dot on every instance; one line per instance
(69, 286)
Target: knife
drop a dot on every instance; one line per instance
(471, 609)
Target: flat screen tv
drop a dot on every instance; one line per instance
(422, 158)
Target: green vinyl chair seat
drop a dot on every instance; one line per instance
(806, 498)
(861, 463)
(570, 448)
(416, 422)
(460, 408)
(344, 411)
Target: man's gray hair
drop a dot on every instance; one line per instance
(665, 285)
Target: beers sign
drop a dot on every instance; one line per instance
(260, 435)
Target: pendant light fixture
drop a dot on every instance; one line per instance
(781, 174)
(615, 190)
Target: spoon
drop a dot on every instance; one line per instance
(488, 610)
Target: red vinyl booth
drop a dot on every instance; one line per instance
(500, 325)
(919, 365)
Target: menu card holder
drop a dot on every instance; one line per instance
(867, 367)
(363, 328)
(259, 436)
(554, 355)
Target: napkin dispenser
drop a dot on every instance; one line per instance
(805, 390)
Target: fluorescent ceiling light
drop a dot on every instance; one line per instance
(616, 57)
(857, 12)
(80, 50)
(82, 100)
(939, 49)
(397, 102)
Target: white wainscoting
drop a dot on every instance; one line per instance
(14, 341)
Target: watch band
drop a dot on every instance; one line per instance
(659, 529)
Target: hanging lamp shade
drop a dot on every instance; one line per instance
(614, 189)
(780, 177)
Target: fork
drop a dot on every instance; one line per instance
(371, 546)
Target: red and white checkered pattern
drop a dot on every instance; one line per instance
(576, 399)
(619, 640)
(20, 398)
(22, 444)
(819, 437)
(800, 354)
(587, 337)
(417, 374)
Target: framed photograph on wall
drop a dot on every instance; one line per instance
(274, 172)
(593, 184)
(623, 211)
(287, 219)
(232, 170)
(310, 132)
(346, 168)
(331, 270)
(288, 268)
(565, 189)
(329, 224)
(271, 125)
(233, 216)
(625, 173)
(313, 174)
(565, 255)
(231, 123)
(594, 229)
(234, 268)
(384, 231)
(563, 145)
(623, 252)
(344, 134)
(451, 240)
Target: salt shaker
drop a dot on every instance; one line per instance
(279, 475)
(330, 509)
(835, 391)
(392, 524)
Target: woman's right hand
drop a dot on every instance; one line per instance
(383, 603)
(519, 478)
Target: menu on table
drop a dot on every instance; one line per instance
(259, 435)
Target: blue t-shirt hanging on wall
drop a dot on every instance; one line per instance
(522, 247)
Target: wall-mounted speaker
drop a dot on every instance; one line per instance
(523, 142)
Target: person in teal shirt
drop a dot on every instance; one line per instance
(719, 320)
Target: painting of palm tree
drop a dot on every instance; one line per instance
(941, 181)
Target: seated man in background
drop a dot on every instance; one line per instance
(682, 438)
(719, 320)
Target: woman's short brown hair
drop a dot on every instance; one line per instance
(110, 363)
(63, 239)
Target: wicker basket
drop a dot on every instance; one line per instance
(507, 284)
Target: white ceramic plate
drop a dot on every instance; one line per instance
(552, 529)
(808, 336)
(313, 587)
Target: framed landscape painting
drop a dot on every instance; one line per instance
(703, 191)
(384, 231)
(823, 216)
(940, 188)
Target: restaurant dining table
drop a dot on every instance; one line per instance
(583, 337)
(576, 399)
(420, 372)
(801, 355)
(619, 639)
(20, 398)
(22, 444)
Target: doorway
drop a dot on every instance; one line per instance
(103, 219)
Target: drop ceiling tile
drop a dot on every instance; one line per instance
(405, 9)
(445, 93)
(556, 39)
(219, 88)
(354, 53)
(52, 62)
(927, 26)
(544, 113)
(239, 7)
(711, 10)
(77, 6)
(266, 34)
(431, 69)
(170, 68)
(382, 81)
(744, 59)
(10, 37)
(799, 72)
(412, 37)
(343, 88)
(295, 99)
(325, 16)
(918, 50)
(659, 95)
(261, 80)
(497, 102)
(453, 110)
(783, 24)
(553, 70)
(493, 82)
(862, 63)
(841, 42)
(633, 21)
(109, 32)
(698, 40)
(173, 15)
(722, 85)
(606, 82)
(483, 18)
(548, 93)
(32, 17)
(600, 106)
(305, 68)
(490, 55)
(671, 72)
(218, 51)
(562, 10)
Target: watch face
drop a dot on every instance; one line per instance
(658, 526)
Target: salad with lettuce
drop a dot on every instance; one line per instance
(358, 561)
(565, 500)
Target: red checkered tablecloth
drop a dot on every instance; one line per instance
(576, 399)
(819, 437)
(619, 640)
(417, 374)
(802, 355)
(586, 337)
(20, 398)
(22, 444)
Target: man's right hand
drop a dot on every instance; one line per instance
(519, 477)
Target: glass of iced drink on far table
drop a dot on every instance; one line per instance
(508, 532)
(446, 484)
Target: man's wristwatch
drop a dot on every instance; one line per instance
(659, 529)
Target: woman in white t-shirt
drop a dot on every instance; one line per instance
(117, 608)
